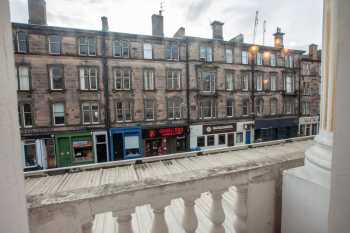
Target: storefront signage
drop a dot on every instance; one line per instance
(212, 129)
(163, 132)
(81, 144)
(308, 120)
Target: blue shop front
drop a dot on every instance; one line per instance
(125, 143)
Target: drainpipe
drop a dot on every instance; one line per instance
(188, 96)
(299, 86)
(105, 79)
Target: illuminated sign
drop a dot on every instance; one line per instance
(163, 132)
(210, 129)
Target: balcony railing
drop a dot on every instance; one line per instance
(208, 190)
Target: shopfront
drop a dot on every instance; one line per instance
(74, 149)
(275, 129)
(308, 126)
(38, 152)
(161, 141)
(125, 143)
(101, 146)
(213, 136)
(245, 133)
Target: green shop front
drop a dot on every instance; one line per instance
(74, 149)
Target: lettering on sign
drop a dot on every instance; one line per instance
(209, 129)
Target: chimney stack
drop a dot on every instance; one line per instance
(157, 25)
(279, 38)
(217, 28)
(313, 53)
(104, 21)
(37, 12)
(180, 33)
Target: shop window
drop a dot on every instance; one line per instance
(83, 150)
(88, 78)
(148, 79)
(206, 54)
(22, 42)
(132, 146)
(149, 106)
(25, 115)
(201, 141)
(147, 51)
(172, 52)
(245, 81)
(29, 153)
(56, 78)
(90, 113)
(207, 109)
(302, 130)
(245, 58)
(124, 111)
(228, 56)
(210, 140)
(87, 46)
(54, 44)
(239, 138)
(122, 79)
(23, 78)
(58, 114)
(174, 109)
(273, 82)
(230, 106)
(222, 139)
(173, 81)
(207, 81)
(120, 49)
(230, 81)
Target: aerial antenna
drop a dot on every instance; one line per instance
(264, 32)
(255, 25)
(162, 3)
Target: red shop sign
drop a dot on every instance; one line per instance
(164, 132)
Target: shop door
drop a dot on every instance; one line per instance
(247, 137)
(230, 139)
(101, 148)
(64, 156)
(118, 146)
(171, 145)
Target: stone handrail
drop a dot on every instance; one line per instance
(73, 211)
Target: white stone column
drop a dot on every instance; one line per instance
(190, 221)
(13, 211)
(339, 213)
(124, 220)
(159, 224)
(240, 209)
(217, 214)
(306, 190)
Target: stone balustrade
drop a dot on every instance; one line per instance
(69, 202)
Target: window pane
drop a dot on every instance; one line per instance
(27, 115)
(210, 140)
(54, 44)
(58, 112)
(228, 55)
(22, 42)
(117, 49)
(147, 51)
(56, 78)
(222, 139)
(83, 46)
(93, 79)
(23, 73)
(201, 141)
(92, 46)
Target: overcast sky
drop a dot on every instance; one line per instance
(301, 20)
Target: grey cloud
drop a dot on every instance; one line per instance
(197, 8)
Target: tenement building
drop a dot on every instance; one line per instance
(89, 96)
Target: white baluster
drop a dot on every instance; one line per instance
(159, 224)
(217, 214)
(124, 220)
(190, 221)
(240, 208)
